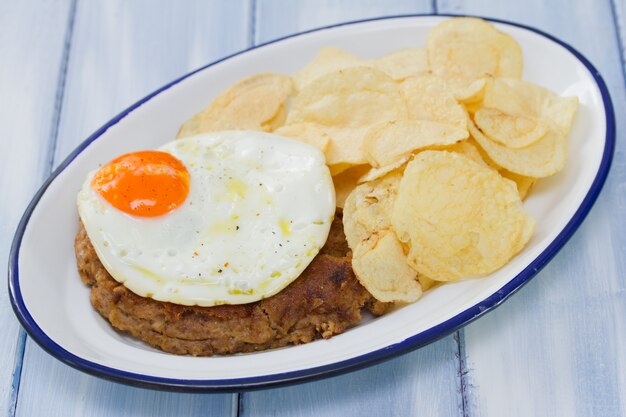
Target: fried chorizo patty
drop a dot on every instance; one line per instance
(325, 300)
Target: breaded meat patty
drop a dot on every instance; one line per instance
(325, 300)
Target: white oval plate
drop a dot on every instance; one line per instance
(53, 305)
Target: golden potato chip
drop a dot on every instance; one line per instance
(541, 159)
(381, 267)
(346, 181)
(499, 95)
(345, 104)
(254, 103)
(472, 108)
(429, 98)
(524, 184)
(403, 63)
(368, 208)
(376, 173)
(485, 158)
(425, 282)
(393, 141)
(523, 98)
(277, 121)
(470, 93)
(337, 169)
(466, 49)
(460, 219)
(430, 150)
(509, 130)
(326, 61)
(307, 133)
(469, 149)
(346, 146)
(355, 231)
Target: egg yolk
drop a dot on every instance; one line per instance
(145, 184)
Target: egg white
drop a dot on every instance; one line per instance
(258, 211)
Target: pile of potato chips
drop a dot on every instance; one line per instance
(431, 150)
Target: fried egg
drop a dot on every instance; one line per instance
(219, 218)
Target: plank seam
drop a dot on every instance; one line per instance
(252, 35)
(240, 410)
(619, 33)
(60, 92)
(236, 405)
(434, 7)
(463, 372)
(52, 143)
(17, 372)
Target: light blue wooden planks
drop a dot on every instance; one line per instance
(422, 383)
(123, 51)
(557, 347)
(120, 51)
(31, 45)
(277, 18)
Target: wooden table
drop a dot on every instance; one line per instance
(557, 348)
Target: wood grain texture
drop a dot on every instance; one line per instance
(422, 383)
(554, 349)
(31, 44)
(121, 51)
(619, 7)
(277, 18)
(557, 347)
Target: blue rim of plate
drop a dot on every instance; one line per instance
(258, 382)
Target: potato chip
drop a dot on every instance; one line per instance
(326, 61)
(466, 49)
(354, 230)
(542, 110)
(368, 208)
(277, 121)
(345, 104)
(337, 169)
(429, 98)
(381, 267)
(499, 95)
(431, 150)
(376, 173)
(424, 281)
(509, 130)
(523, 98)
(468, 149)
(472, 225)
(307, 133)
(403, 63)
(524, 184)
(472, 108)
(470, 93)
(346, 146)
(346, 181)
(393, 141)
(485, 158)
(254, 103)
(541, 159)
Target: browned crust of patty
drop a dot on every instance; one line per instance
(325, 300)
